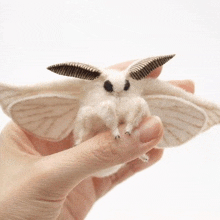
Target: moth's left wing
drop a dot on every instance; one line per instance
(47, 116)
(159, 87)
(182, 120)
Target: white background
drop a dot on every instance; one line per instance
(185, 184)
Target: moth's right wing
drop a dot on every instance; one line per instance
(47, 116)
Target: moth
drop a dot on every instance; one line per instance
(92, 99)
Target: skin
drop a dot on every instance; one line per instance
(47, 180)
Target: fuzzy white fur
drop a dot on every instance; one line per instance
(51, 111)
(112, 108)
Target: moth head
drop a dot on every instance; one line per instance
(115, 82)
(142, 68)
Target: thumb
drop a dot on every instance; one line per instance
(69, 167)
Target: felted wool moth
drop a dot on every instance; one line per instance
(92, 99)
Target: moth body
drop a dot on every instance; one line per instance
(107, 103)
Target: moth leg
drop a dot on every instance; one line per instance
(135, 115)
(107, 112)
(144, 158)
(83, 123)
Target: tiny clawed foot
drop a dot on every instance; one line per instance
(117, 137)
(144, 158)
(128, 129)
(128, 132)
(77, 143)
(116, 133)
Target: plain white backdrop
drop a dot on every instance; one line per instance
(185, 184)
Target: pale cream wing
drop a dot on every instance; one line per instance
(49, 117)
(9, 94)
(181, 119)
(159, 87)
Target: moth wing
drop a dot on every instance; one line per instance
(10, 94)
(181, 119)
(159, 87)
(49, 117)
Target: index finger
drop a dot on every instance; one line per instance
(187, 85)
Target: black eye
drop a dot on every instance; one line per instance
(108, 86)
(127, 85)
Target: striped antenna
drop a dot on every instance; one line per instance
(78, 70)
(143, 67)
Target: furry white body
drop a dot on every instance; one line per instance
(112, 108)
(53, 110)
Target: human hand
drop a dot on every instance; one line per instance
(47, 180)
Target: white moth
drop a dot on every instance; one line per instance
(104, 98)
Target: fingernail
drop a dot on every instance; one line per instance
(150, 129)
